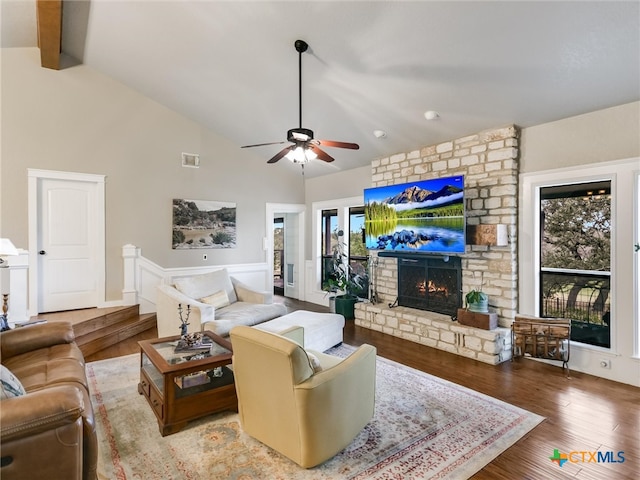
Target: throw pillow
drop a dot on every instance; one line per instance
(218, 299)
(314, 362)
(10, 386)
(199, 286)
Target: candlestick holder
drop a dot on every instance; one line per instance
(184, 322)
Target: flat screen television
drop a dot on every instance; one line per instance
(424, 216)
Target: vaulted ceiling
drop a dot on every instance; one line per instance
(232, 66)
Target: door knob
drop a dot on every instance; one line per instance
(42, 252)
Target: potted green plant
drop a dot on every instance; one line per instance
(343, 279)
(476, 300)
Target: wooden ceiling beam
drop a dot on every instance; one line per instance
(49, 14)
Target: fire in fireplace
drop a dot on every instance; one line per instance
(430, 283)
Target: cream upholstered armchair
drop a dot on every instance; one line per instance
(306, 414)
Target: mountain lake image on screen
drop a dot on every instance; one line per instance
(424, 216)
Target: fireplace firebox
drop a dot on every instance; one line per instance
(430, 283)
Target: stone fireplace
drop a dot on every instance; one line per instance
(489, 162)
(430, 283)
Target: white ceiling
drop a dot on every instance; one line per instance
(232, 66)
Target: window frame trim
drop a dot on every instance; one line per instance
(325, 223)
(342, 205)
(636, 267)
(530, 197)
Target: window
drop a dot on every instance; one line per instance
(278, 256)
(357, 248)
(328, 229)
(330, 225)
(331, 217)
(575, 258)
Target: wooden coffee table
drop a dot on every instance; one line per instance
(185, 385)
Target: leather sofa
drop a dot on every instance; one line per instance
(306, 405)
(217, 302)
(49, 431)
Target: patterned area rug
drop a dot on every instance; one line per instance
(423, 427)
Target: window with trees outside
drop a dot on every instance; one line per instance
(575, 258)
(328, 228)
(357, 251)
(357, 248)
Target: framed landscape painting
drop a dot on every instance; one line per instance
(203, 224)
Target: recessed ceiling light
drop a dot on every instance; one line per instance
(379, 133)
(431, 115)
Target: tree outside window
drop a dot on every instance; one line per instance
(328, 228)
(576, 258)
(357, 248)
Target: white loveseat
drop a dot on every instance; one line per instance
(217, 302)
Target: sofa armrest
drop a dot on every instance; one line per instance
(43, 435)
(247, 294)
(167, 302)
(26, 339)
(40, 411)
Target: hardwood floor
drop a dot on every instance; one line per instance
(583, 413)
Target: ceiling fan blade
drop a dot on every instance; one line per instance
(322, 155)
(280, 154)
(262, 144)
(333, 143)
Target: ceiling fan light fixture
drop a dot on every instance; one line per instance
(301, 155)
(292, 155)
(310, 154)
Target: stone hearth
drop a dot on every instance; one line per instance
(437, 331)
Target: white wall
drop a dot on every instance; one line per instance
(609, 134)
(79, 120)
(599, 144)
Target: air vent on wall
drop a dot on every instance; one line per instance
(191, 160)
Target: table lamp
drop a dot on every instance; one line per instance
(6, 248)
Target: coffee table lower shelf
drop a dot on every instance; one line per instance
(174, 406)
(174, 414)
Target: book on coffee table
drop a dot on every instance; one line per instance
(183, 346)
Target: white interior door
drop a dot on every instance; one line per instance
(69, 245)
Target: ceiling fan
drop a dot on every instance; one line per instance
(304, 147)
